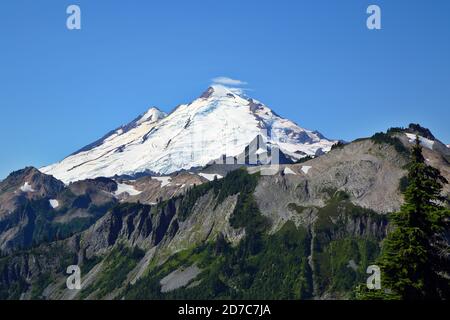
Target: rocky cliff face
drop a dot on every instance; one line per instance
(36, 208)
(368, 172)
(307, 232)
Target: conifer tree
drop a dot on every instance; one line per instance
(415, 258)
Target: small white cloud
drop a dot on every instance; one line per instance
(228, 81)
(237, 91)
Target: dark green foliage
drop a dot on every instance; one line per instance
(412, 261)
(246, 215)
(45, 230)
(238, 181)
(81, 202)
(403, 184)
(335, 248)
(53, 260)
(274, 266)
(88, 264)
(39, 285)
(65, 230)
(13, 291)
(41, 217)
(341, 263)
(190, 198)
(279, 270)
(127, 208)
(395, 130)
(99, 210)
(39, 214)
(338, 145)
(381, 137)
(340, 206)
(260, 266)
(116, 266)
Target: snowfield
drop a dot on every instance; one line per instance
(210, 176)
(123, 187)
(221, 122)
(424, 142)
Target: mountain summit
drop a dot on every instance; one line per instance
(221, 122)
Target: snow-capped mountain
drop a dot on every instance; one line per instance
(222, 121)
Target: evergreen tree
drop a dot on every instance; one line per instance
(415, 258)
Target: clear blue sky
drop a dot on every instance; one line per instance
(312, 61)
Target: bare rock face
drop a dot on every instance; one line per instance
(151, 190)
(179, 278)
(368, 172)
(26, 184)
(16, 217)
(344, 194)
(161, 227)
(35, 207)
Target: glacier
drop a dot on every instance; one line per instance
(222, 121)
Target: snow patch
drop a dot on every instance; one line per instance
(260, 151)
(54, 203)
(164, 180)
(305, 169)
(288, 171)
(210, 176)
(122, 188)
(424, 142)
(26, 188)
(152, 115)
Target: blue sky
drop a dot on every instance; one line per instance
(312, 61)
